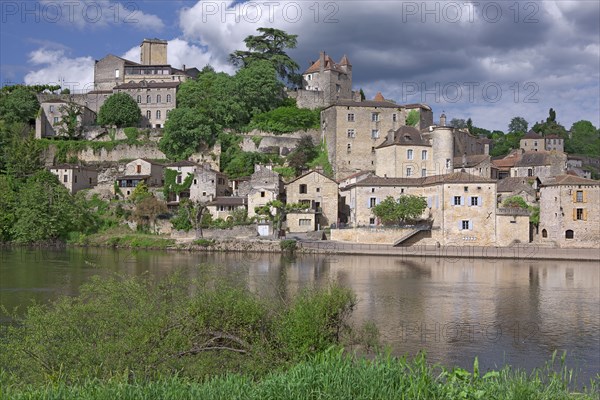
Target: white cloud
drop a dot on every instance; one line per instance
(56, 67)
(88, 14)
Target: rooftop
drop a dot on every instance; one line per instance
(405, 135)
(570, 180)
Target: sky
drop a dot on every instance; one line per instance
(487, 60)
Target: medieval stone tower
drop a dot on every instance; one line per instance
(442, 143)
(153, 52)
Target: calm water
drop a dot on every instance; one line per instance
(515, 312)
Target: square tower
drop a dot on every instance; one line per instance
(153, 52)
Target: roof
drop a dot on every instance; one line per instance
(532, 135)
(455, 177)
(329, 65)
(355, 175)
(183, 163)
(378, 97)
(417, 105)
(471, 160)
(72, 166)
(308, 173)
(534, 158)
(345, 61)
(133, 177)
(147, 85)
(405, 136)
(100, 92)
(365, 103)
(148, 161)
(508, 161)
(228, 201)
(552, 137)
(129, 62)
(512, 184)
(560, 180)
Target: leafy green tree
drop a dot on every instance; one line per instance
(397, 211)
(140, 193)
(45, 210)
(303, 154)
(147, 210)
(258, 87)
(551, 116)
(20, 152)
(470, 125)
(19, 105)
(458, 123)
(68, 124)
(413, 118)
(269, 46)
(518, 124)
(185, 132)
(286, 120)
(585, 139)
(8, 203)
(362, 95)
(515, 202)
(121, 110)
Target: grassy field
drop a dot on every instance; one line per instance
(335, 375)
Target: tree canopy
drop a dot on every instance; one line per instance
(186, 130)
(585, 139)
(121, 110)
(19, 104)
(518, 124)
(405, 209)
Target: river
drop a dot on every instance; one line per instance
(503, 311)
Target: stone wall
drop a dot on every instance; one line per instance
(237, 232)
(269, 140)
(379, 235)
(512, 226)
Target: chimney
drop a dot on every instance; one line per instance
(443, 119)
(390, 136)
(183, 67)
(321, 62)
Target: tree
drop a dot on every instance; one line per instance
(413, 118)
(470, 125)
(585, 139)
(281, 210)
(121, 110)
(305, 152)
(397, 211)
(458, 123)
(146, 211)
(20, 151)
(185, 132)
(190, 215)
(518, 124)
(8, 203)
(551, 116)
(19, 105)
(362, 95)
(270, 45)
(258, 87)
(68, 124)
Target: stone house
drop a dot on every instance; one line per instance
(542, 164)
(223, 207)
(476, 164)
(576, 164)
(139, 171)
(183, 169)
(264, 185)
(155, 99)
(461, 208)
(532, 141)
(554, 143)
(570, 212)
(405, 153)
(321, 195)
(526, 188)
(506, 163)
(209, 184)
(48, 120)
(75, 177)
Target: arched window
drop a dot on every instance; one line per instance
(148, 99)
(148, 114)
(168, 98)
(158, 98)
(544, 233)
(157, 114)
(568, 234)
(139, 99)
(168, 111)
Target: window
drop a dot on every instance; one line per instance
(350, 117)
(117, 73)
(304, 222)
(168, 98)
(51, 109)
(408, 171)
(374, 133)
(158, 114)
(90, 181)
(75, 179)
(374, 117)
(318, 190)
(371, 221)
(65, 178)
(394, 117)
(203, 193)
(351, 133)
(158, 98)
(148, 114)
(466, 188)
(409, 154)
(569, 234)
(262, 194)
(579, 214)
(139, 99)
(544, 233)
(309, 77)
(372, 202)
(456, 201)
(530, 172)
(465, 224)
(424, 155)
(349, 148)
(138, 169)
(178, 178)
(148, 99)
(474, 201)
(195, 181)
(579, 196)
(423, 172)
(56, 120)
(303, 189)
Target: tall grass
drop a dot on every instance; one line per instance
(335, 375)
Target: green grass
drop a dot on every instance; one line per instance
(333, 375)
(122, 236)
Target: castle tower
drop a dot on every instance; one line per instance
(442, 143)
(443, 119)
(346, 67)
(153, 52)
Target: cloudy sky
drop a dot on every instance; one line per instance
(488, 60)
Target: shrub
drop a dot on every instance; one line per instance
(131, 134)
(288, 245)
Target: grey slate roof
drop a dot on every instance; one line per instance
(406, 136)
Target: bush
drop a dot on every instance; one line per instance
(286, 120)
(132, 134)
(204, 242)
(288, 245)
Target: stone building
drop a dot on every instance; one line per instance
(223, 207)
(75, 177)
(554, 143)
(405, 153)
(209, 184)
(319, 192)
(461, 208)
(264, 185)
(570, 212)
(526, 188)
(532, 141)
(542, 164)
(140, 171)
(155, 99)
(476, 164)
(52, 110)
(183, 168)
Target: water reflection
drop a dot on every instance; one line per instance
(501, 311)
